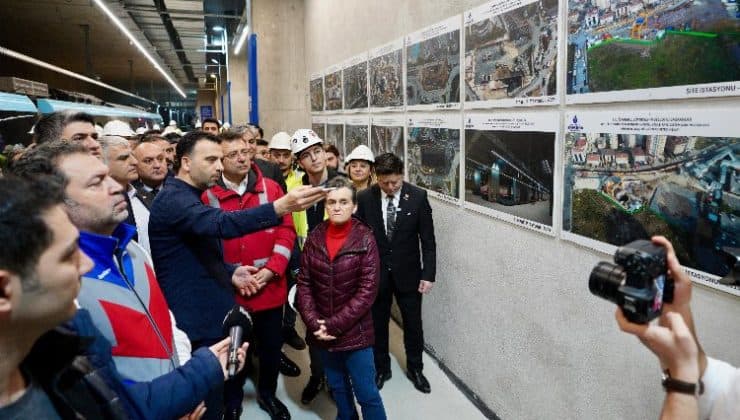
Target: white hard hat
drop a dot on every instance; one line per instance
(198, 124)
(141, 130)
(280, 141)
(303, 139)
(156, 127)
(99, 129)
(173, 123)
(227, 125)
(361, 152)
(169, 129)
(118, 128)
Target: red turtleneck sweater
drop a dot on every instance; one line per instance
(335, 237)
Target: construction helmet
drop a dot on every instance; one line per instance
(303, 139)
(118, 128)
(361, 152)
(280, 141)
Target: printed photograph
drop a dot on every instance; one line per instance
(433, 70)
(386, 86)
(434, 159)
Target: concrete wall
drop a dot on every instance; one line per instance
(283, 87)
(511, 314)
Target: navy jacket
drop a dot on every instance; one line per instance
(169, 396)
(185, 239)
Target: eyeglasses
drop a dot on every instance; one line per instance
(233, 155)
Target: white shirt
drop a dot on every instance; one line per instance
(141, 217)
(241, 188)
(721, 398)
(384, 206)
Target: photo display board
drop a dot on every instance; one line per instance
(333, 88)
(511, 53)
(631, 175)
(316, 91)
(356, 129)
(335, 132)
(354, 80)
(385, 68)
(433, 66)
(433, 154)
(318, 125)
(387, 135)
(509, 167)
(657, 49)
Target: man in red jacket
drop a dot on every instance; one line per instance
(241, 187)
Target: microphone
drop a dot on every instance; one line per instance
(238, 325)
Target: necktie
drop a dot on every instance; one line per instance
(390, 222)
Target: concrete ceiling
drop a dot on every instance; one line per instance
(177, 33)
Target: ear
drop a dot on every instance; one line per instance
(7, 288)
(185, 163)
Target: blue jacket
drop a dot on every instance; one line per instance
(169, 396)
(185, 238)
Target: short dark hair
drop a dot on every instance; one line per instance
(261, 142)
(153, 131)
(330, 148)
(230, 136)
(388, 164)
(340, 181)
(212, 121)
(187, 143)
(50, 127)
(24, 235)
(42, 163)
(172, 137)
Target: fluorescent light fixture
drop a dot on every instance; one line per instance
(242, 38)
(214, 61)
(134, 41)
(44, 64)
(218, 28)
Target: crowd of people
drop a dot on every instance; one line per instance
(121, 253)
(134, 245)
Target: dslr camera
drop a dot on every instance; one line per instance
(636, 282)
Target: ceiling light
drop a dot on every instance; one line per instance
(133, 40)
(214, 61)
(66, 72)
(218, 28)
(242, 38)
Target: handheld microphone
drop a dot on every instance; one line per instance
(238, 325)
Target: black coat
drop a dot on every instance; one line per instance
(402, 255)
(272, 171)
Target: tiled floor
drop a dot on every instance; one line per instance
(401, 399)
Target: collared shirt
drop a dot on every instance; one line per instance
(384, 205)
(240, 188)
(141, 218)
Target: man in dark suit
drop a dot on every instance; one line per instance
(401, 218)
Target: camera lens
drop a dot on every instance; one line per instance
(605, 280)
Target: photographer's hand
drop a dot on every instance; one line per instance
(677, 351)
(681, 296)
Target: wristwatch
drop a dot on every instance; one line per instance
(675, 385)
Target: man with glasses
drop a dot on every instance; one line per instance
(75, 127)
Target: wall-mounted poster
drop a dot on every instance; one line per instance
(387, 135)
(433, 154)
(318, 125)
(631, 175)
(333, 88)
(385, 69)
(433, 66)
(656, 49)
(354, 79)
(355, 132)
(335, 132)
(509, 165)
(511, 53)
(316, 91)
